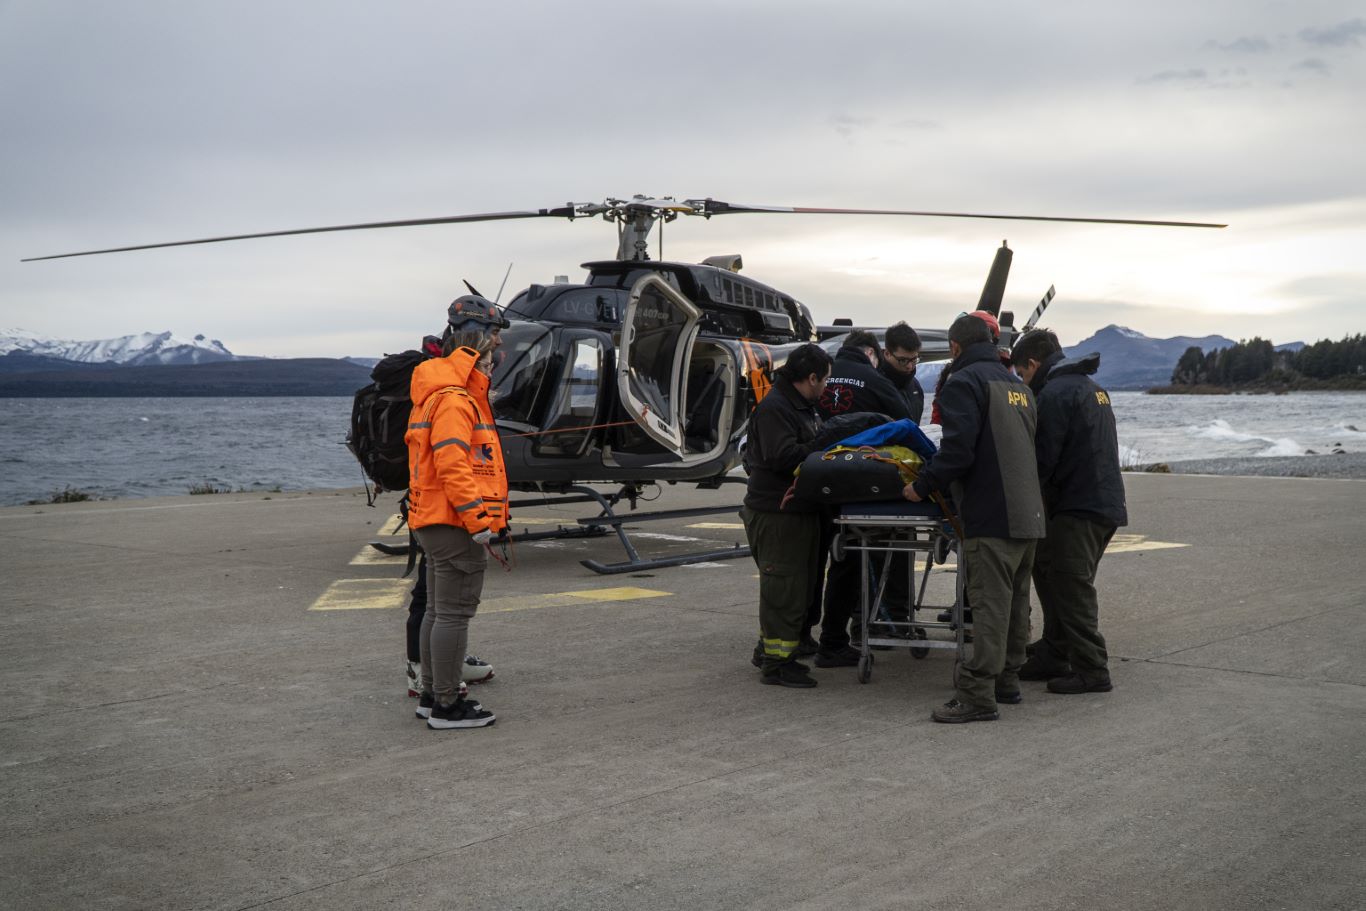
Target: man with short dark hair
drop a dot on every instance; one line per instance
(900, 355)
(986, 464)
(1083, 494)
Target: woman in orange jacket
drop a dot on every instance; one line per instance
(457, 502)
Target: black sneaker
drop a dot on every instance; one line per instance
(843, 657)
(426, 701)
(1074, 684)
(459, 714)
(955, 712)
(1009, 697)
(806, 648)
(791, 674)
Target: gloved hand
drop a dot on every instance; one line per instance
(482, 537)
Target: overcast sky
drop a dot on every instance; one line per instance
(138, 122)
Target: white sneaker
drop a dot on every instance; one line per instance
(414, 679)
(475, 671)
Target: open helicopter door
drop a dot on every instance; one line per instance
(657, 334)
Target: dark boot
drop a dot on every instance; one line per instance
(1045, 662)
(790, 674)
(1081, 682)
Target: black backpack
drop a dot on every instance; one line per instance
(379, 419)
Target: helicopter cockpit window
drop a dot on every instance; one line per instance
(576, 402)
(523, 381)
(657, 337)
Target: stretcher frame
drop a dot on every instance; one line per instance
(869, 529)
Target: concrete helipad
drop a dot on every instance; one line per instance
(201, 707)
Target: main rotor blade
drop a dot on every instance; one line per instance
(716, 207)
(560, 212)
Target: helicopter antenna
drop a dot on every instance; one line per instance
(504, 284)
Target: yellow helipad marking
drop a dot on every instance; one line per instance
(1127, 544)
(391, 526)
(364, 594)
(563, 599)
(368, 556)
(718, 525)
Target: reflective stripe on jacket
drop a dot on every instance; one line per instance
(455, 463)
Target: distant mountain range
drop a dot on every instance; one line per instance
(1132, 360)
(142, 350)
(161, 364)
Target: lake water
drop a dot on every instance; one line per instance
(123, 447)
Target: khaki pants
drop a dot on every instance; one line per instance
(455, 579)
(997, 586)
(785, 548)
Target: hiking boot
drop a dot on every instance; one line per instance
(1009, 696)
(414, 679)
(1039, 668)
(791, 674)
(842, 657)
(475, 671)
(1079, 682)
(806, 648)
(955, 712)
(462, 713)
(426, 701)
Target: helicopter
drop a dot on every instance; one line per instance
(648, 370)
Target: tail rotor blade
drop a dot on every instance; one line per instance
(1038, 311)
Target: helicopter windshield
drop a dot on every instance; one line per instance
(520, 380)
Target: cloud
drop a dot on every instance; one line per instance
(847, 124)
(1194, 74)
(1313, 65)
(1344, 34)
(1244, 45)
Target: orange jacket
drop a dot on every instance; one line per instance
(455, 463)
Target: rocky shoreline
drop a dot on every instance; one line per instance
(1340, 465)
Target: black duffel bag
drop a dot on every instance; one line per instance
(861, 475)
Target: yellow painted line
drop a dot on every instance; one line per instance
(364, 594)
(390, 527)
(509, 603)
(368, 556)
(718, 525)
(1127, 544)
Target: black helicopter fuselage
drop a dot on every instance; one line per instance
(556, 394)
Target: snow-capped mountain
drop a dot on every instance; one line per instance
(1131, 360)
(144, 349)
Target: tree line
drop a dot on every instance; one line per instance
(1257, 362)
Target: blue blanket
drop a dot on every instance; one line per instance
(895, 433)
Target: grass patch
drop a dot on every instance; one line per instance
(208, 487)
(68, 495)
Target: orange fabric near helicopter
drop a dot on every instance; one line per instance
(455, 463)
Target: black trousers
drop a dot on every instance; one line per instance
(417, 609)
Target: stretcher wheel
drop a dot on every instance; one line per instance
(837, 548)
(865, 668)
(919, 651)
(942, 546)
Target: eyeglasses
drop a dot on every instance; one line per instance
(904, 360)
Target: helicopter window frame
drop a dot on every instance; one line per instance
(659, 329)
(521, 393)
(578, 401)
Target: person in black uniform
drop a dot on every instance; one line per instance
(1083, 495)
(986, 463)
(785, 542)
(856, 385)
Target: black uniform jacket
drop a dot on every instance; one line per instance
(856, 385)
(782, 432)
(986, 456)
(908, 387)
(1077, 444)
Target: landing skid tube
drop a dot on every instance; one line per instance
(608, 518)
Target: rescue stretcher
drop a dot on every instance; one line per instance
(878, 531)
